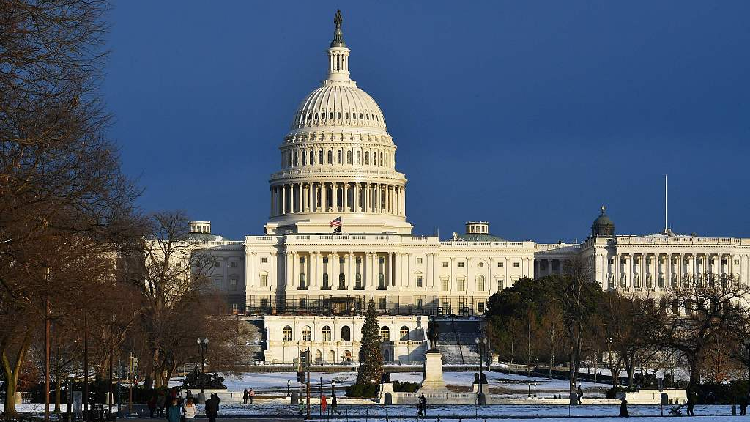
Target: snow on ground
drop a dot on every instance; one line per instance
(277, 381)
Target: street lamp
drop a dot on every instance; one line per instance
(203, 344)
(481, 342)
(288, 387)
(609, 357)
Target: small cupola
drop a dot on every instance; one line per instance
(200, 227)
(603, 226)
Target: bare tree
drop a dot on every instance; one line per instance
(704, 310)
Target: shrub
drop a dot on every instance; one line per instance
(362, 390)
(405, 387)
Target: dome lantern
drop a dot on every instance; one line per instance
(338, 54)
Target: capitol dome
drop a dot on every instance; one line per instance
(338, 161)
(338, 104)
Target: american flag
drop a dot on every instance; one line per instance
(336, 224)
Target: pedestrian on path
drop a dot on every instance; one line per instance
(624, 408)
(173, 412)
(244, 396)
(743, 405)
(189, 410)
(212, 408)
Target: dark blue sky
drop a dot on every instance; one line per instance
(527, 114)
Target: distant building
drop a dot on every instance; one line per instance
(338, 237)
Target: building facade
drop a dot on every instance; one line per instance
(338, 236)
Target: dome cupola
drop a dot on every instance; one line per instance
(603, 226)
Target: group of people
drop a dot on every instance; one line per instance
(169, 404)
(248, 395)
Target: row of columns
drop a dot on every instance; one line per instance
(660, 270)
(338, 197)
(308, 270)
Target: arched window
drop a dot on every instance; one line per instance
(367, 158)
(320, 156)
(294, 160)
(480, 283)
(330, 157)
(287, 333)
(404, 333)
(346, 333)
(318, 356)
(348, 157)
(342, 281)
(339, 156)
(331, 356)
(326, 333)
(312, 157)
(347, 356)
(306, 333)
(385, 334)
(304, 158)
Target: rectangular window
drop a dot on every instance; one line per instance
(445, 284)
(445, 264)
(461, 285)
(232, 284)
(264, 280)
(480, 307)
(263, 260)
(419, 303)
(382, 303)
(460, 264)
(419, 281)
(217, 264)
(499, 265)
(233, 264)
(235, 308)
(516, 264)
(419, 260)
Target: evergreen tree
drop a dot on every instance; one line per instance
(370, 356)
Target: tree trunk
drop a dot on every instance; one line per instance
(58, 384)
(12, 371)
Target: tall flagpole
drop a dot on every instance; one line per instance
(666, 203)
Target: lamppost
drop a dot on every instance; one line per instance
(288, 387)
(481, 342)
(203, 344)
(609, 356)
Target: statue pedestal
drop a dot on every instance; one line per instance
(433, 373)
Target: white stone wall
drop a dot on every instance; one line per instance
(338, 349)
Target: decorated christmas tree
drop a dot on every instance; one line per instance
(370, 357)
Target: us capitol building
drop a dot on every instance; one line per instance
(338, 236)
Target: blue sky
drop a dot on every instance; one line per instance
(528, 114)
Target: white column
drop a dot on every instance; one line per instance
(357, 186)
(288, 270)
(336, 270)
(350, 276)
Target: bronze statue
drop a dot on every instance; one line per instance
(338, 35)
(338, 19)
(432, 334)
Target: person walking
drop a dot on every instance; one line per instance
(189, 410)
(251, 395)
(624, 408)
(691, 403)
(161, 401)
(422, 409)
(244, 396)
(580, 395)
(212, 408)
(173, 412)
(152, 405)
(743, 404)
